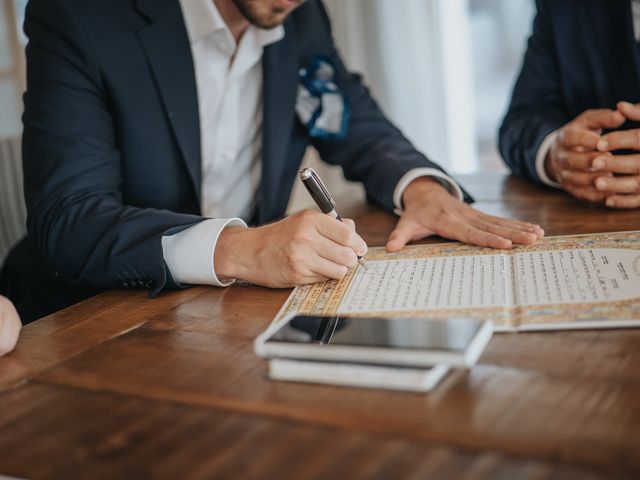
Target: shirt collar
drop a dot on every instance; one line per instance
(202, 18)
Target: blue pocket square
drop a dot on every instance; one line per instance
(320, 105)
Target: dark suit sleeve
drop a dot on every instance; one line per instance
(374, 152)
(72, 165)
(537, 107)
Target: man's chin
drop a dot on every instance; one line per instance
(267, 14)
(273, 21)
(287, 6)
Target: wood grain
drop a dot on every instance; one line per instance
(52, 432)
(576, 418)
(122, 386)
(69, 332)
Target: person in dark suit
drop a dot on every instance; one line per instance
(572, 122)
(154, 129)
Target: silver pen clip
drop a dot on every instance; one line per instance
(321, 185)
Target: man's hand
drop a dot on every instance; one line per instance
(619, 175)
(304, 248)
(430, 209)
(10, 326)
(571, 157)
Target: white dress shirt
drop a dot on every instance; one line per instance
(547, 143)
(229, 82)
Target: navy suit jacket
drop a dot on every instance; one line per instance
(582, 55)
(112, 142)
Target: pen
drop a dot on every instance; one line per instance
(322, 197)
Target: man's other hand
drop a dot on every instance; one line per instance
(574, 150)
(619, 175)
(304, 248)
(429, 209)
(10, 326)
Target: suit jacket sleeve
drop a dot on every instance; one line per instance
(76, 214)
(374, 151)
(537, 107)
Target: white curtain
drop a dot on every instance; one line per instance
(416, 57)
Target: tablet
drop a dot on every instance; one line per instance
(415, 341)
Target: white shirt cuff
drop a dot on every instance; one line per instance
(541, 156)
(411, 175)
(190, 253)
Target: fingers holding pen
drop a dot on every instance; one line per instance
(342, 233)
(332, 247)
(336, 253)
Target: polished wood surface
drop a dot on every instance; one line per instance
(122, 386)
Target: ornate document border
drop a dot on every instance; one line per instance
(324, 298)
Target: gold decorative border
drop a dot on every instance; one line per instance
(325, 297)
(630, 240)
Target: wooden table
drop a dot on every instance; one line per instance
(121, 386)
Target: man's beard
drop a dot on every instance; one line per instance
(250, 12)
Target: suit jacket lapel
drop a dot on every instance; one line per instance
(166, 44)
(280, 86)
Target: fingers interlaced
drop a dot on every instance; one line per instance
(624, 184)
(629, 110)
(623, 201)
(579, 178)
(599, 118)
(572, 160)
(623, 164)
(584, 132)
(574, 136)
(619, 140)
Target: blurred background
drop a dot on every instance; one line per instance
(12, 44)
(441, 69)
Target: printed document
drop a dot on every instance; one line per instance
(584, 281)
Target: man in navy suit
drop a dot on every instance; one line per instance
(572, 122)
(154, 129)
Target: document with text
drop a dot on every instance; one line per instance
(580, 281)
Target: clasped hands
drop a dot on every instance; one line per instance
(583, 160)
